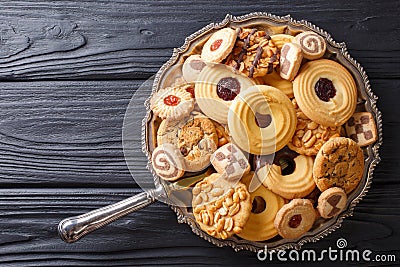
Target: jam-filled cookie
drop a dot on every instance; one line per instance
(312, 45)
(192, 67)
(219, 46)
(215, 89)
(361, 128)
(168, 162)
(326, 92)
(295, 218)
(331, 202)
(221, 208)
(262, 120)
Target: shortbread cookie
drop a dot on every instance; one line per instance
(331, 202)
(262, 120)
(297, 184)
(222, 133)
(265, 205)
(340, 163)
(168, 162)
(254, 54)
(291, 57)
(219, 45)
(275, 80)
(361, 128)
(281, 39)
(312, 44)
(192, 67)
(326, 92)
(310, 136)
(295, 218)
(220, 207)
(230, 161)
(217, 86)
(173, 103)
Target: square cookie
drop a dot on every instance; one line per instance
(361, 128)
(230, 160)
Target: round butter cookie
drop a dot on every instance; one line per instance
(219, 46)
(331, 202)
(312, 45)
(192, 67)
(265, 205)
(261, 120)
(281, 38)
(295, 218)
(168, 162)
(275, 80)
(173, 103)
(339, 163)
(215, 89)
(326, 92)
(220, 207)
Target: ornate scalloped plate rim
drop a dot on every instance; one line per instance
(235, 243)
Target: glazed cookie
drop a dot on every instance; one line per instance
(219, 45)
(295, 218)
(340, 162)
(192, 67)
(312, 45)
(195, 137)
(331, 202)
(275, 80)
(326, 92)
(291, 57)
(217, 86)
(173, 103)
(262, 120)
(231, 161)
(265, 205)
(361, 128)
(281, 39)
(294, 182)
(254, 54)
(220, 207)
(167, 162)
(310, 136)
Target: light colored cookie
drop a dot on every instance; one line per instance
(192, 67)
(167, 162)
(217, 86)
(254, 54)
(326, 92)
(312, 44)
(265, 205)
(261, 120)
(220, 44)
(222, 133)
(290, 61)
(331, 202)
(310, 136)
(230, 161)
(221, 208)
(173, 103)
(280, 39)
(361, 128)
(339, 163)
(275, 80)
(295, 218)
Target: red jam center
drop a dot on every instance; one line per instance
(172, 100)
(295, 221)
(191, 91)
(228, 88)
(324, 89)
(216, 44)
(263, 120)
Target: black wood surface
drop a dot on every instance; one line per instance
(68, 70)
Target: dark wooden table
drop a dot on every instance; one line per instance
(68, 70)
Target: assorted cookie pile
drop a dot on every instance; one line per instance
(265, 109)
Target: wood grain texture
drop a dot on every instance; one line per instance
(68, 70)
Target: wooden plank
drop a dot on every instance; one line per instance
(132, 39)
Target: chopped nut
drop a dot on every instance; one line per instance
(228, 226)
(220, 225)
(312, 125)
(223, 211)
(216, 192)
(300, 133)
(235, 197)
(306, 136)
(234, 209)
(310, 142)
(237, 229)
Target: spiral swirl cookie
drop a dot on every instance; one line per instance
(295, 218)
(192, 67)
(221, 208)
(219, 45)
(265, 205)
(217, 86)
(339, 163)
(262, 120)
(275, 80)
(173, 103)
(281, 39)
(326, 92)
(167, 162)
(312, 45)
